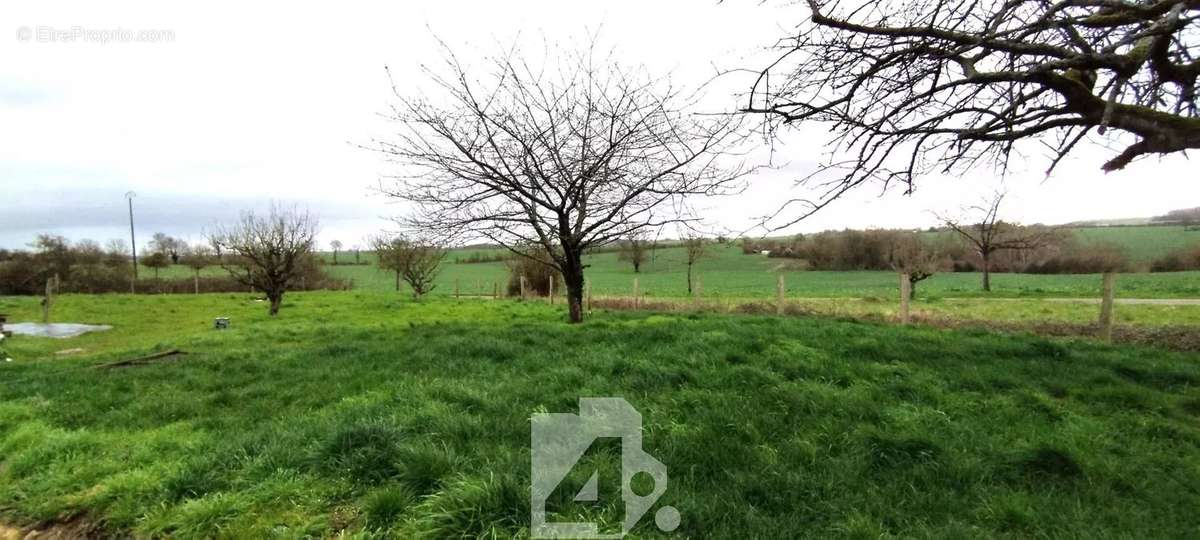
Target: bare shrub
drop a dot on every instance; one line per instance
(1084, 258)
(1180, 260)
(533, 263)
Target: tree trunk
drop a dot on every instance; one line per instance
(689, 278)
(987, 271)
(573, 277)
(397, 281)
(276, 301)
(196, 281)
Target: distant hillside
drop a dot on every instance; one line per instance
(1122, 222)
(1184, 216)
(1142, 243)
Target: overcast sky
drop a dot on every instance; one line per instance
(244, 102)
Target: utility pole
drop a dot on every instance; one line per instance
(132, 239)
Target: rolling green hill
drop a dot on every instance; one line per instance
(1142, 243)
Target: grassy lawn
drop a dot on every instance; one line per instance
(370, 414)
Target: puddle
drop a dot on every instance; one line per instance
(54, 330)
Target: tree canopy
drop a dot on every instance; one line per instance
(910, 88)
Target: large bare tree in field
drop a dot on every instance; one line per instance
(986, 233)
(570, 154)
(269, 251)
(922, 86)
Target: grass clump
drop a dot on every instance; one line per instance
(367, 452)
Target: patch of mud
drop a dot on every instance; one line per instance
(55, 330)
(63, 530)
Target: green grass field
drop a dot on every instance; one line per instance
(365, 414)
(727, 273)
(1143, 244)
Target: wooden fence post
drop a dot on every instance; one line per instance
(456, 288)
(47, 300)
(495, 291)
(550, 293)
(636, 301)
(1106, 306)
(905, 293)
(522, 287)
(587, 287)
(780, 292)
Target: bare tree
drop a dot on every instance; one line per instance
(915, 257)
(167, 245)
(417, 263)
(634, 250)
(337, 246)
(156, 260)
(88, 251)
(987, 234)
(270, 250)
(198, 258)
(116, 253)
(695, 247)
(570, 155)
(938, 85)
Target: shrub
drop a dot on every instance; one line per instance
(22, 275)
(480, 257)
(1091, 258)
(535, 266)
(97, 278)
(1179, 260)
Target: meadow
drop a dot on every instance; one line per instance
(371, 415)
(1142, 243)
(727, 274)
